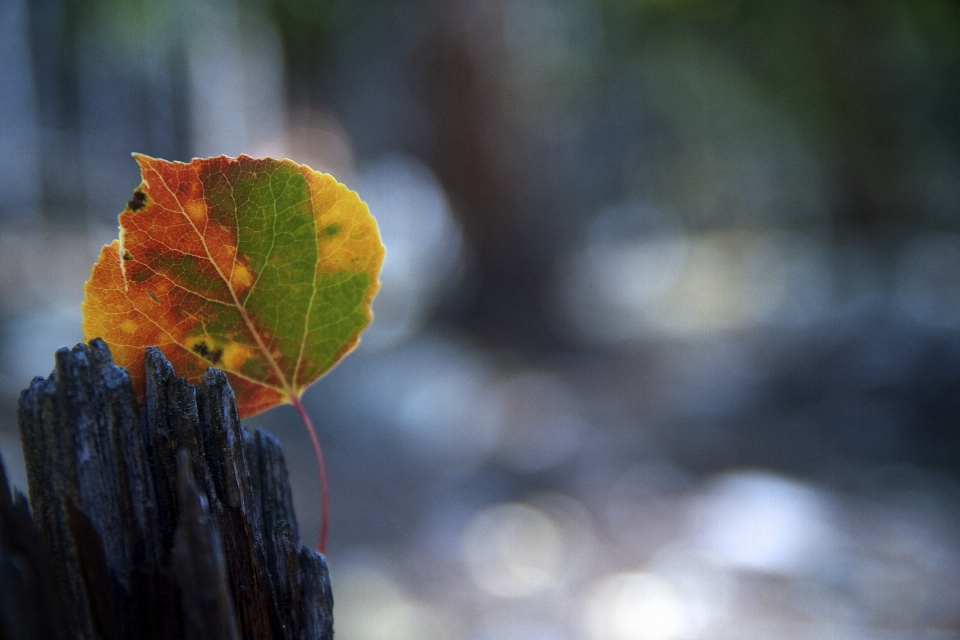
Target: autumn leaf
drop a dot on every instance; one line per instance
(265, 269)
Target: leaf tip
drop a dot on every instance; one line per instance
(147, 162)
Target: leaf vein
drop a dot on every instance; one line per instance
(243, 313)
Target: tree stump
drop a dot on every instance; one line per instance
(160, 521)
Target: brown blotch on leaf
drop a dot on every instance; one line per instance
(202, 350)
(138, 202)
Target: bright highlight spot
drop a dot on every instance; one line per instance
(371, 606)
(665, 285)
(513, 550)
(763, 522)
(636, 606)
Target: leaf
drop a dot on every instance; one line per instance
(265, 269)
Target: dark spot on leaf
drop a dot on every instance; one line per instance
(202, 350)
(139, 201)
(127, 256)
(331, 230)
(153, 296)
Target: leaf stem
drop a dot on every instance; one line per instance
(324, 495)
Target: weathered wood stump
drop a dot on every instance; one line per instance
(161, 521)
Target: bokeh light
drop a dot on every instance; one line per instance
(371, 606)
(424, 250)
(636, 606)
(762, 522)
(513, 550)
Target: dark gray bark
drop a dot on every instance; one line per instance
(162, 521)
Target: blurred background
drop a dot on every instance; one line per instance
(668, 344)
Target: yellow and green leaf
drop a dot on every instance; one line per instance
(263, 268)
